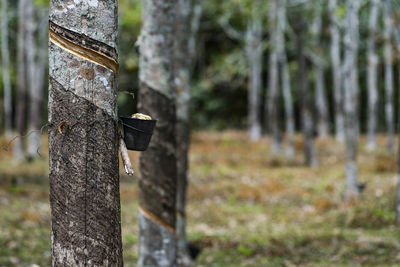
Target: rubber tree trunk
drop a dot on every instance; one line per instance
(306, 107)
(42, 54)
(397, 204)
(187, 22)
(21, 81)
(158, 165)
(83, 135)
(5, 60)
(288, 102)
(389, 75)
(285, 79)
(322, 105)
(372, 79)
(351, 97)
(272, 101)
(254, 54)
(34, 116)
(197, 12)
(320, 94)
(335, 51)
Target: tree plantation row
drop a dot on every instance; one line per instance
(328, 66)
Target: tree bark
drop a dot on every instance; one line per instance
(21, 81)
(373, 61)
(34, 114)
(320, 94)
(389, 75)
(336, 71)
(322, 105)
(306, 108)
(83, 135)
(5, 59)
(351, 97)
(188, 16)
(285, 79)
(397, 197)
(272, 101)
(288, 102)
(158, 165)
(42, 54)
(254, 54)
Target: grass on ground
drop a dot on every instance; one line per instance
(247, 207)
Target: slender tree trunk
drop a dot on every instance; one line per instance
(158, 166)
(5, 59)
(188, 17)
(42, 57)
(285, 78)
(322, 105)
(288, 101)
(83, 135)
(252, 40)
(272, 106)
(254, 54)
(197, 12)
(21, 81)
(397, 204)
(336, 71)
(389, 75)
(320, 94)
(372, 75)
(34, 114)
(188, 44)
(306, 110)
(351, 97)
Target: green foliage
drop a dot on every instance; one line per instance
(245, 251)
(341, 11)
(41, 3)
(220, 77)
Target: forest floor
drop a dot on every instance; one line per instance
(247, 207)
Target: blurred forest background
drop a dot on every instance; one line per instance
(282, 93)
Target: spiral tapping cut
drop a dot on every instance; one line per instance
(84, 173)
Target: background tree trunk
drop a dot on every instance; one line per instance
(389, 74)
(158, 166)
(84, 178)
(272, 101)
(372, 75)
(254, 54)
(5, 59)
(351, 97)
(306, 110)
(336, 71)
(252, 40)
(320, 94)
(34, 114)
(322, 105)
(42, 55)
(397, 197)
(188, 16)
(21, 81)
(285, 78)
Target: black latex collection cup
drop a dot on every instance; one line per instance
(137, 132)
